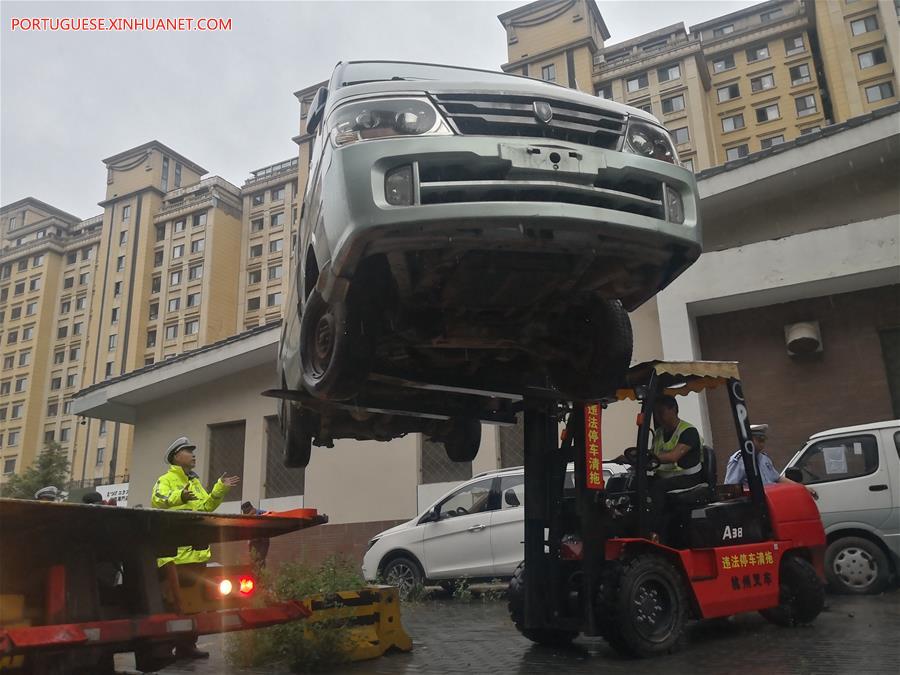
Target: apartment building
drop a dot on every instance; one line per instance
(47, 263)
(737, 84)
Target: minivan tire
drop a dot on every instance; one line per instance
(856, 566)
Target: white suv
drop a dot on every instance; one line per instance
(474, 531)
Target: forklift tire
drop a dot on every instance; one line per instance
(516, 605)
(335, 352)
(607, 351)
(297, 433)
(462, 440)
(647, 607)
(802, 595)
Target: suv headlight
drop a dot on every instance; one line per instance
(385, 118)
(649, 140)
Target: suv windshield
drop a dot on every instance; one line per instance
(359, 72)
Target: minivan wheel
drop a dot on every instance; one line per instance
(856, 566)
(405, 574)
(335, 354)
(602, 342)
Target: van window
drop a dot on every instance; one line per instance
(474, 498)
(839, 459)
(516, 484)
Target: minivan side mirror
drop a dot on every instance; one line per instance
(431, 517)
(511, 498)
(316, 110)
(794, 473)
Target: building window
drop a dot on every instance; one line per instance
(15, 312)
(681, 135)
(772, 140)
(757, 53)
(64, 434)
(23, 265)
(191, 327)
(111, 342)
(767, 113)
(198, 245)
(729, 92)
(254, 277)
(15, 411)
(172, 331)
(637, 83)
(12, 439)
(672, 105)
(157, 258)
(123, 237)
(53, 409)
(256, 251)
(864, 25)
(274, 272)
(76, 328)
(62, 332)
(35, 284)
(277, 194)
(737, 152)
(605, 92)
(258, 198)
(771, 15)
(27, 333)
(794, 45)
(193, 299)
(155, 284)
(177, 174)
(126, 213)
(4, 388)
(68, 282)
(276, 245)
(149, 360)
(65, 306)
(762, 83)
(195, 272)
(178, 226)
(154, 311)
(120, 263)
(151, 337)
(548, 72)
(80, 302)
(21, 384)
(723, 30)
(273, 299)
(24, 357)
(9, 362)
(175, 278)
(177, 251)
(56, 383)
(164, 182)
(199, 219)
(668, 73)
(806, 105)
(12, 337)
(67, 407)
(878, 92)
(75, 354)
(647, 108)
(102, 430)
(71, 258)
(160, 232)
(9, 464)
(31, 308)
(59, 357)
(256, 224)
(174, 304)
(871, 58)
(800, 74)
(83, 278)
(100, 452)
(70, 380)
(252, 304)
(38, 260)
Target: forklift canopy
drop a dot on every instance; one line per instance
(676, 378)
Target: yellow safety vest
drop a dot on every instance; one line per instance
(167, 495)
(660, 446)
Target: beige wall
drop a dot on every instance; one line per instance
(526, 42)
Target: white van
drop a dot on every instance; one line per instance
(475, 531)
(856, 473)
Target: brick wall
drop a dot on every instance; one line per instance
(844, 385)
(310, 546)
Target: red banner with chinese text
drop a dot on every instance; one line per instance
(593, 447)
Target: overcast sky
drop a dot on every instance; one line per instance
(224, 100)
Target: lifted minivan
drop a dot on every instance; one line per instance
(476, 230)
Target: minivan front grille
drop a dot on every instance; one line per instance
(488, 114)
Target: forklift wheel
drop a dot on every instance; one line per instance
(516, 604)
(802, 594)
(462, 440)
(297, 433)
(647, 609)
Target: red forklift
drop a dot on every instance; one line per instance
(590, 564)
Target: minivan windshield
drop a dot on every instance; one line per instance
(360, 72)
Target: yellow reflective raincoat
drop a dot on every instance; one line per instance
(167, 495)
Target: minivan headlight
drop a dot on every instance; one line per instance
(649, 140)
(371, 119)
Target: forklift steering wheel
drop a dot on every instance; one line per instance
(631, 458)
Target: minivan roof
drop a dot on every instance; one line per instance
(872, 426)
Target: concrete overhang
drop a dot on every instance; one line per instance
(798, 164)
(117, 400)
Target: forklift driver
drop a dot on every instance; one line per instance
(678, 447)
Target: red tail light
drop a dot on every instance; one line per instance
(247, 586)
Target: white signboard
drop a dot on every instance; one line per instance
(117, 491)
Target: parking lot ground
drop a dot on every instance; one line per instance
(854, 635)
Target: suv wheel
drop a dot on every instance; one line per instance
(335, 353)
(602, 342)
(857, 566)
(404, 573)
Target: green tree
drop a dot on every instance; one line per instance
(50, 467)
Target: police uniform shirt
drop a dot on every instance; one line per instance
(735, 474)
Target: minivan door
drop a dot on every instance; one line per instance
(850, 477)
(458, 544)
(508, 526)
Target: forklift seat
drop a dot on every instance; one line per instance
(705, 491)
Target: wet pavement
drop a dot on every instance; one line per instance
(854, 635)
